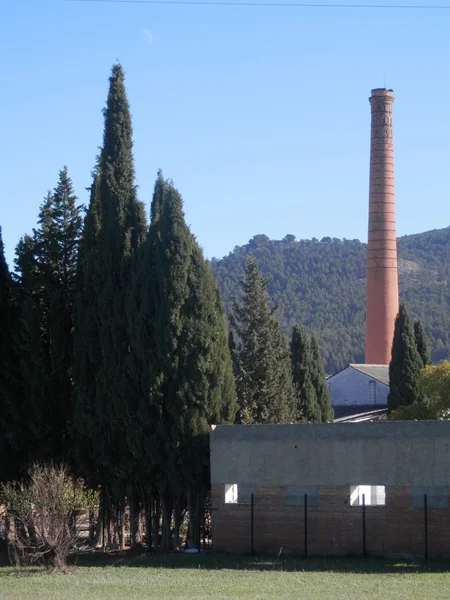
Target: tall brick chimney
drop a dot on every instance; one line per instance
(382, 277)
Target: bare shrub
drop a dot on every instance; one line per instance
(43, 508)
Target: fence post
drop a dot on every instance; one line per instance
(199, 525)
(305, 515)
(425, 510)
(204, 525)
(364, 524)
(103, 501)
(252, 518)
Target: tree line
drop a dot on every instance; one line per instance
(322, 284)
(418, 389)
(275, 383)
(115, 354)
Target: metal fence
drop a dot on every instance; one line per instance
(332, 525)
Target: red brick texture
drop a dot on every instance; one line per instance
(382, 278)
(334, 526)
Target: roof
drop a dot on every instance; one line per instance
(355, 414)
(378, 372)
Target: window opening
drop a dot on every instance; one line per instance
(231, 493)
(374, 495)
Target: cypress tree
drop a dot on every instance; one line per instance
(148, 438)
(169, 250)
(207, 389)
(422, 343)
(190, 332)
(264, 384)
(319, 382)
(9, 376)
(115, 228)
(87, 413)
(187, 376)
(405, 363)
(301, 357)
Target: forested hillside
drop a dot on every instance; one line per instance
(321, 284)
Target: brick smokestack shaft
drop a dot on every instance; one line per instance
(382, 276)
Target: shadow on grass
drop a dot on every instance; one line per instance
(215, 561)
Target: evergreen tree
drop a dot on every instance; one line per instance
(25, 267)
(422, 343)
(87, 413)
(192, 356)
(115, 228)
(405, 363)
(301, 357)
(319, 382)
(264, 384)
(9, 375)
(46, 267)
(147, 439)
(57, 246)
(319, 283)
(206, 392)
(187, 378)
(32, 407)
(234, 353)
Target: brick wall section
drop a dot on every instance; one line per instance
(334, 526)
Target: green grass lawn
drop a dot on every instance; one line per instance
(223, 576)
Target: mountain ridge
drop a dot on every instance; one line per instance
(321, 284)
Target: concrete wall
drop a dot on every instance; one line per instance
(381, 453)
(278, 464)
(351, 388)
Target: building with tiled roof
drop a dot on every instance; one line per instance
(359, 392)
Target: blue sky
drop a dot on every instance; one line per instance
(259, 115)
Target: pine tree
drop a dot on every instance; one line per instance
(9, 376)
(59, 238)
(301, 357)
(405, 363)
(234, 353)
(115, 228)
(422, 343)
(46, 268)
(319, 382)
(264, 385)
(29, 343)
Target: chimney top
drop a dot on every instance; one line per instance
(381, 97)
(381, 92)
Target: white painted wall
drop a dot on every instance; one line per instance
(353, 388)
